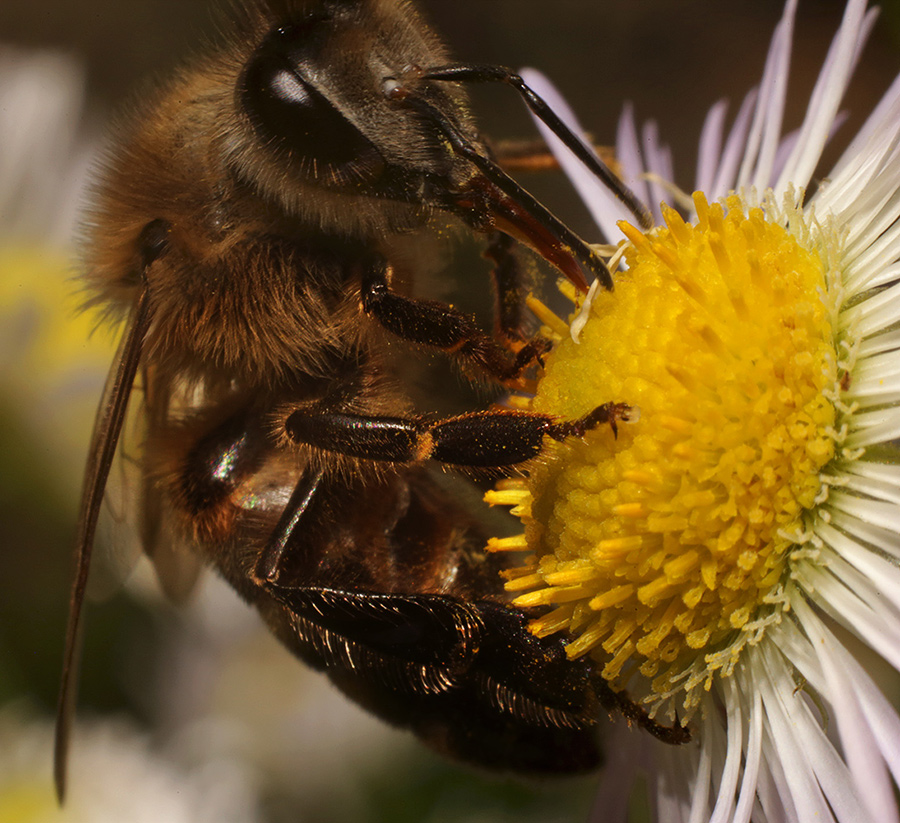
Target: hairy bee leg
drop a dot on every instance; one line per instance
(461, 639)
(619, 702)
(507, 279)
(486, 439)
(443, 667)
(533, 155)
(297, 508)
(425, 629)
(435, 324)
(440, 664)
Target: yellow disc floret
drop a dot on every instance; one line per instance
(660, 545)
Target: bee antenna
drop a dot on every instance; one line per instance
(466, 73)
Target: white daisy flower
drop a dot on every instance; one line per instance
(726, 554)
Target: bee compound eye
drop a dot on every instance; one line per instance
(288, 112)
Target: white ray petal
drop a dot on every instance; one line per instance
(879, 254)
(785, 148)
(873, 216)
(773, 792)
(658, 161)
(762, 139)
(876, 279)
(725, 180)
(731, 769)
(880, 715)
(886, 341)
(749, 780)
(710, 148)
(826, 97)
(848, 606)
(874, 313)
(865, 561)
(876, 512)
(702, 777)
(819, 778)
(873, 427)
(882, 117)
(876, 593)
(878, 480)
(858, 741)
(868, 534)
(871, 368)
(630, 157)
(788, 727)
(861, 171)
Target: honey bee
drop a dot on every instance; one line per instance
(250, 225)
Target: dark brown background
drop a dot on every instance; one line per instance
(673, 58)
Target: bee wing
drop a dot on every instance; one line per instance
(104, 441)
(177, 566)
(136, 517)
(117, 542)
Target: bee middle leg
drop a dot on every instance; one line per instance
(437, 325)
(483, 439)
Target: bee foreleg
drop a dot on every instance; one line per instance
(534, 155)
(437, 325)
(507, 278)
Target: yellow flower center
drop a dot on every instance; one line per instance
(664, 543)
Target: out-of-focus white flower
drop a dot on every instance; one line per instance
(225, 684)
(715, 558)
(116, 777)
(50, 362)
(46, 159)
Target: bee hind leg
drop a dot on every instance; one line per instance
(619, 702)
(464, 674)
(468, 678)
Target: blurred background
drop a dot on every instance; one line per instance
(194, 713)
